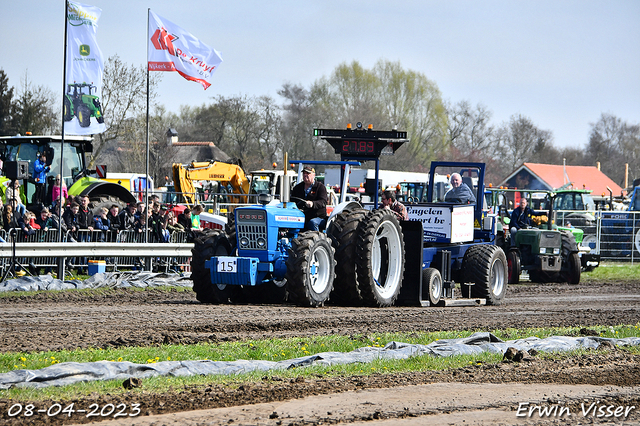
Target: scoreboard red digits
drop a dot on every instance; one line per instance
(358, 147)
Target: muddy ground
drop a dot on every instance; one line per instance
(72, 319)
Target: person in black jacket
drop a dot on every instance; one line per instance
(184, 219)
(127, 217)
(114, 220)
(521, 218)
(311, 197)
(70, 219)
(85, 215)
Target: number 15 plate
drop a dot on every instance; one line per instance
(227, 264)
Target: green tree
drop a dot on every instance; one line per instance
(413, 103)
(6, 101)
(386, 96)
(34, 110)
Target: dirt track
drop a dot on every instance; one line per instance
(71, 320)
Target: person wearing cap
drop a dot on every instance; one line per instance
(311, 197)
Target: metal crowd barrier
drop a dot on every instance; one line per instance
(615, 235)
(124, 250)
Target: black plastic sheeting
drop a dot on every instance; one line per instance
(138, 279)
(72, 372)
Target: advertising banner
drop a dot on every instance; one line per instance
(444, 224)
(173, 49)
(83, 113)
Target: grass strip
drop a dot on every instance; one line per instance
(274, 350)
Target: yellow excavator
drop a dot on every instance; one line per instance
(230, 177)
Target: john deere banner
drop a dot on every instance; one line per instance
(82, 107)
(173, 49)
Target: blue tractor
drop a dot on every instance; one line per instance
(365, 257)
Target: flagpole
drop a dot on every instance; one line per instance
(64, 86)
(61, 261)
(146, 186)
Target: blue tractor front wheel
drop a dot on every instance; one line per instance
(310, 269)
(209, 243)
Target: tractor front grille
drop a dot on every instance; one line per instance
(550, 240)
(251, 228)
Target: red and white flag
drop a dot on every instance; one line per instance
(173, 49)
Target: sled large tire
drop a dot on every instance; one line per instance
(513, 267)
(379, 258)
(310, 269)
(571, 265)
(343, 234)
(207, 244)
(486, 266)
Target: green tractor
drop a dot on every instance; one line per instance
(80, 102)
(547, 252)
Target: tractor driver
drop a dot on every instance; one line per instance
(311, 197)
(521, 218)
(460, 193)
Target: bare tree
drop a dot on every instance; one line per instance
(269, 132)
(518, 140)
(472, 136)
(124, 97)
(303, 111)
(613, 142)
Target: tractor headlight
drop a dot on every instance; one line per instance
(543, 250)
(556, 251)
(261, 242)
(244, 241)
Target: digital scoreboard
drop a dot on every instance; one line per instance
(363, 143)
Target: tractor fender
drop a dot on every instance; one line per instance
(96, 188)
(343, 207)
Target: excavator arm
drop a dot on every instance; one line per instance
(184, 177)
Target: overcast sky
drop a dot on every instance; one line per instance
(560, 63)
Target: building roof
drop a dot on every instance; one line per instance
(554, 177)
(186, 152)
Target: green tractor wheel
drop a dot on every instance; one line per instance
(84, 116)
(67, 109)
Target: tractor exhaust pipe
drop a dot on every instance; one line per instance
(286, 187)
